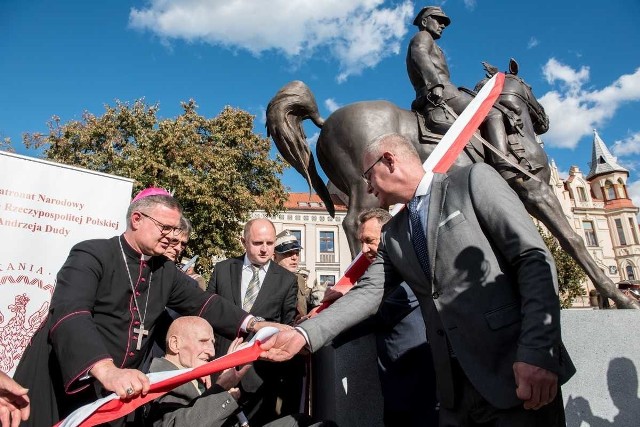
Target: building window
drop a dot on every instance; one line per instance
(327, 247)
(328, 280)
(297, 234)
(609, 190)
(582, 195)
(622, 190)
(621, 238)
(634, 231)
(630, 274)
(326, 242)
(589, 233)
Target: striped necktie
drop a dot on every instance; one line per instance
(252, 289)
(418, 238)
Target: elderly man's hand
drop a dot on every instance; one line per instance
(535, 386)
(282, 346)
(230, 378)
(14, 402)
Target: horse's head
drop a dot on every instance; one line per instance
(514, 85)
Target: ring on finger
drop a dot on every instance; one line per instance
(129, 391)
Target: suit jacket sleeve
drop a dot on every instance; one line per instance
(361, 302)
(213, 282)
(511, 230)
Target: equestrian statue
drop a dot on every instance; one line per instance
(507, 140)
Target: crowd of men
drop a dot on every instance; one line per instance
(462, 290)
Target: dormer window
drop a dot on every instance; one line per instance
(610, 190)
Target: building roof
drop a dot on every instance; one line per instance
(306, 201)
(602, 161)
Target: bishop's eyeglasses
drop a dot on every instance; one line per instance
(164, 229)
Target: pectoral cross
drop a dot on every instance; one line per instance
(140, 331)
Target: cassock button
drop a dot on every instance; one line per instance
(135, 309)
(131, 353)
(136, 322)
(435, 295)
(137, 293)
(142, 279)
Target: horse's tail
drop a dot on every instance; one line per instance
(292, 105)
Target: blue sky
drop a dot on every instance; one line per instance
(581, 57)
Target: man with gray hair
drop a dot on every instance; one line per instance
(485, 281)
(405, 366)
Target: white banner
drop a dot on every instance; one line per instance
(45, 209)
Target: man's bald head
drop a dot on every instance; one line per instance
(190, 342)
(259, 240)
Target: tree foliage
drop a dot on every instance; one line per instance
(570, 274)
(219, 169)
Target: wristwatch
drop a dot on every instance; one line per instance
(252, 323)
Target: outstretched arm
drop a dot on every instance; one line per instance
(283, 345)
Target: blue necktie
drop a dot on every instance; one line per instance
(417, 235)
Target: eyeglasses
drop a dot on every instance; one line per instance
(366, 173)
(175, 242)
(164, 229)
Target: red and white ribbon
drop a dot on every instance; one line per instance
(112, 407)
(439, 161)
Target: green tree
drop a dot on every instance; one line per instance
(5, 145)
(570, 275)
(218, 168)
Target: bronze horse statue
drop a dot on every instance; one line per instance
(346, 132)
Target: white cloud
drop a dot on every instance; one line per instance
(574, 111)
(262, 116)
(313, 139)
(633, 188)
(470, 4)
(628, 146)
(357, 33)
(572, 80)
(533, 42)
(331, 104)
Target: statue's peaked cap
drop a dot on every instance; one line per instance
(428, 11)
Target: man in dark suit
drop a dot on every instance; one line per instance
(405, 368)
(268, 291)
(485, 281)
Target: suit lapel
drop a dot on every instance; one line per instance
(436, 203)
(408, 253)
(236, 280)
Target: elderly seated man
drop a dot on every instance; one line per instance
(199, 403)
